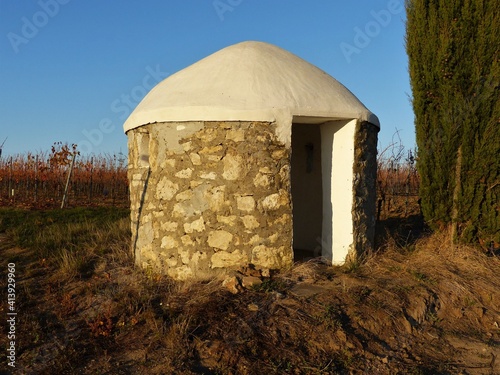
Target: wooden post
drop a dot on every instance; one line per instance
(10, 177)
(67, 181)
(91, 178)
(36, 178)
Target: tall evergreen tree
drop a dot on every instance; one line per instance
(454, 63)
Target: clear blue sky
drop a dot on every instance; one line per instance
(70, 70)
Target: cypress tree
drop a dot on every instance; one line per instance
(454, 65)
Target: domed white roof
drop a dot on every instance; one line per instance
(249, 81)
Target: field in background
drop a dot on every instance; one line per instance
(38, 180)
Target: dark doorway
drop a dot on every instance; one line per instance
(307, 196)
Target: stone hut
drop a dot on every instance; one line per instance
(251, 156)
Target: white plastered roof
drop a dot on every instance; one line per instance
(249, 81)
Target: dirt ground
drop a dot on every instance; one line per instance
(420, 305)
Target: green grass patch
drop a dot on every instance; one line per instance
(69, 239)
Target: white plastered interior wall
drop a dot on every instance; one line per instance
(337, 160)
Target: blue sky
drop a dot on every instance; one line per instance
(72, 70)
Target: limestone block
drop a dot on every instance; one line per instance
(196, 225)
(223, 259)
(187, 241)
(180, 273)
(184, 195)
(245, 203)
(145, 236)
(185, 256)
(229, 220)
(214, 157)
(284, 172)
(250, 222)
(232, 284)
(278, 154)
(146, 253)
(250, 281)
(216, 198)
(169, 226)
(273, 237)
(166, 189)
(171, 261)
(207, 135)
(195, 158)
(284, 219)
(198, 258)
(256, 239)
(184, 173)
(219, 239)
(168, 242)
(171, 162)
(269, 257)
(208, 175)
(211, 150)
(195, 183)
(261, 180)
(236, 135)
(233, 167)
(275, 201)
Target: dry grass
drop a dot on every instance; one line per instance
(427, 307)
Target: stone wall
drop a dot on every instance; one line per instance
(364, 189)
(209, 196)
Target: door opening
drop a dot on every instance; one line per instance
(307, 191)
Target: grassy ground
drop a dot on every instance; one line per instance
(420, 305)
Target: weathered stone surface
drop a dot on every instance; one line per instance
(235, 135)
(196, 225)
(216, 198)
(219, 239)
(229, 220)
(208, 175)
(168, 242)
(261, 180)
(203, 209)
(233, 167)
(232, 284)
(184, 196)
(169, 226)
(275, 201)
(223, 259)
(186, 240)
(166, 189)
(250, 222)
(245, 203)
(184, 173)
(250, 281)
(271, 257)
